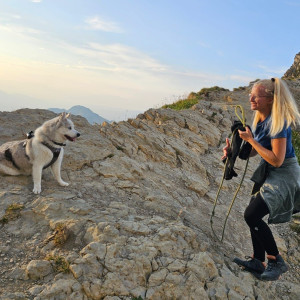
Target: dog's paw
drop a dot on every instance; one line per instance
(37, 190)
(63, 183)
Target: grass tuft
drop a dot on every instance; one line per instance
(193, 98)
(61, 234)
(12, 212)
(206, 91)
(296, 143)
(295, 227)
(182, 104)
(59, 263)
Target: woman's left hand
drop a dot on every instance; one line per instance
(246, 135)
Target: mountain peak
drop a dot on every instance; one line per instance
(84, 112)
(80, 107)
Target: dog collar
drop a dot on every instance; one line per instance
(59, 144)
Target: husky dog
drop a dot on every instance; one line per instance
(41, 149)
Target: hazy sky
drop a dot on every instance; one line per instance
(119, 56)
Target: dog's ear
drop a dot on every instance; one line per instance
(68, 115)
(60, 118)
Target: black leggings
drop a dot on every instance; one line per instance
(262, 237)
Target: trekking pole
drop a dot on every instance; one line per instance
(233, 199)
(218, 193)
(242, 119)
(216, 200)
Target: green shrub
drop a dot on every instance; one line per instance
(12, 212)
(182, 104)
(193, 98)
(59, 263)
(295, 227)
(296, 143)
(192, 95)
(240, 88)
(206, 91)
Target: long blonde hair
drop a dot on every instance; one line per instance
(284, 109)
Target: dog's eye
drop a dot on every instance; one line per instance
(70, 128)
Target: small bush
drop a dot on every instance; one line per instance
(295, 227)
(61, 234)
(296, 143)
(206, 91)
(59, 263)
(192, 95)
(240, 88)
(11, 213)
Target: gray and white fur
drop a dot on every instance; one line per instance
(43, 149)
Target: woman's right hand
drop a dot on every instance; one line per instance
(226, 149)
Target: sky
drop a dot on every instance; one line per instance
(122, 57)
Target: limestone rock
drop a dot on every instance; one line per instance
(37, 269)
(61, 289)
(136, 213)
(294, 70)
(203, 266)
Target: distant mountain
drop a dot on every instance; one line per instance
(57, 110)
(82, 111)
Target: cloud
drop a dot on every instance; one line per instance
(19, 29)
(137, 70)
(8, 16)
(278, 71)
(116, 57)
(96, 23)
(36, 1)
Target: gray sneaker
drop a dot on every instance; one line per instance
(274, 269)
(252, 265)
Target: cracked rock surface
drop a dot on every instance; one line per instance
(134, 223)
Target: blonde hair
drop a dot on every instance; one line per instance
(284, 108)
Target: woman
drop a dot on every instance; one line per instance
(276, 190)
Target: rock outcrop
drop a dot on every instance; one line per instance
(134, 221)
(294, 71)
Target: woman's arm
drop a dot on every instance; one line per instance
(275, 157)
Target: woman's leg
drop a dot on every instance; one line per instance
(262, 237)
(258, 248)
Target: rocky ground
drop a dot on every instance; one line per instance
(134, 223)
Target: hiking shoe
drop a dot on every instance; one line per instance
(252, 265)
(275, 268)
